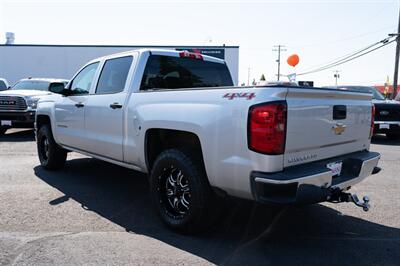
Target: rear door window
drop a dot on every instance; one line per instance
(167, 72)
(113, 75)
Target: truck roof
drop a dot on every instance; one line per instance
(156, 51)
(45, 79)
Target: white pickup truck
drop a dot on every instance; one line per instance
(18, 104)
(177, 116)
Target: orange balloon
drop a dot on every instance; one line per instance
(293, 60)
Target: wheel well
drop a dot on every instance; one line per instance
(158, 140)
(42, 120)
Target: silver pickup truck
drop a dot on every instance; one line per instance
(176, 116)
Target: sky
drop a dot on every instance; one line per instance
(317, 31)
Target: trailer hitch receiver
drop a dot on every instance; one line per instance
(337, 196)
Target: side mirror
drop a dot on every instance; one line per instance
(57, 88)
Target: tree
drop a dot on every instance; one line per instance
(254, 82)
(262, 77)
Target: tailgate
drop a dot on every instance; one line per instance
(323, 123)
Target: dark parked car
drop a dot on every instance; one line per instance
(387, 112)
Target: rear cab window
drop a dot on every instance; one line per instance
(167, 72)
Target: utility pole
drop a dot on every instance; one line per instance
(396, 59)
(278, 49)
(248, 76)
(336, 75)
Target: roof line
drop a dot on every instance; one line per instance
(119, 46)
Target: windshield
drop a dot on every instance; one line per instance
(32, 85)
(375, 93)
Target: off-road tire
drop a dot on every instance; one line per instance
(201, 206)
(51, 156)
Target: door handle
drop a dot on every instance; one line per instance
(115, 106)
(79, 105)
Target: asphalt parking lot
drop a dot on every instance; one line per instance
(97, 213)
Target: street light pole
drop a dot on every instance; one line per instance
(248, 76)
(336, 76)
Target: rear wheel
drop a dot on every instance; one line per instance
(393, 136)
(3, 130)
(51, 156)
(181, 192)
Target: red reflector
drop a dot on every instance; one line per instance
(267, 128)
(190, 55)
(371, 132)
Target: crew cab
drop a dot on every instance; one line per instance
(176, 116)
(18, 105)
(387, 112)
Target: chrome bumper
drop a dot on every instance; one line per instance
(387, 122)
(309, 182)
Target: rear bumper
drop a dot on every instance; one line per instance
(387, 127)
(19, 119)
(312, 182)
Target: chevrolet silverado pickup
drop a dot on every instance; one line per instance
(176, 116)
(18, 105)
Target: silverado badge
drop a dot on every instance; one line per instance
(339, 128)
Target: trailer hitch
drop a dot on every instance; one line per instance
(337, 196)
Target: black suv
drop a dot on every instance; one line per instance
(387, 112)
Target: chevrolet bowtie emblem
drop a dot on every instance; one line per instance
(338, 129)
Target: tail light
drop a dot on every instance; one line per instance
(187, 54)
(371, 132)
(267, 128)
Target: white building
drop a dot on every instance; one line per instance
(19, 61)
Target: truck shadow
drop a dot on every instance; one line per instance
(13, 135)
(383, 140)
(248, 234)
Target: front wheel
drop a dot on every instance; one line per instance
(51, 156)
(180, 191)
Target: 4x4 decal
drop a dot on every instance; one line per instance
(233, 95)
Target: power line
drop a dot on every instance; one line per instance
(335, 42)
(344, 57)
(345, 61)
(350, 57)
